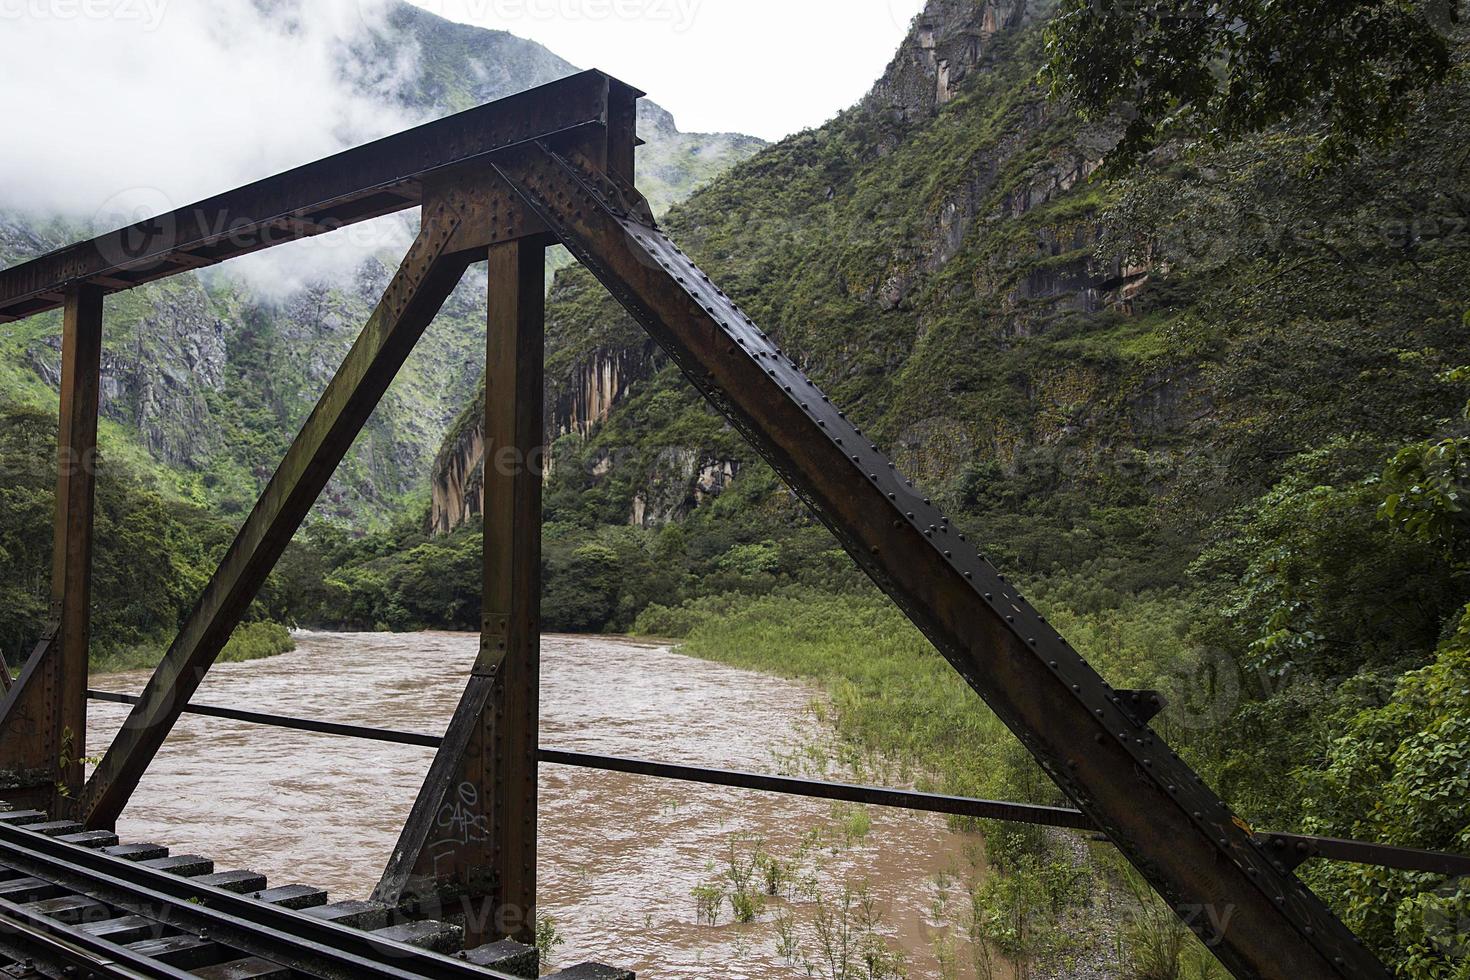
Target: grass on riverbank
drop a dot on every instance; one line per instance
(896, 699)
(900, 705)
(252, 641)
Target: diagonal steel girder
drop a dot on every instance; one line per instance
(1257, 917)
(429, 273)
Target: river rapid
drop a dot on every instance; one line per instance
(621, 856)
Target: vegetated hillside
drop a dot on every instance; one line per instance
(1213, 412)
(1093, 372)
(212, 375)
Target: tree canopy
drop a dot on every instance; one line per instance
(1219, 69)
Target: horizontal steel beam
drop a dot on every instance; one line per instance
(358, 184)
(1287, 846)
(291, 724)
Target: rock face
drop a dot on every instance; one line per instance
(679, 481)
(213, 378)
(160, 381)
(598, 383)
(948, 41)
(458, 491)
(986, 193)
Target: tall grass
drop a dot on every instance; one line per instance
(896, 698)
(894, 695)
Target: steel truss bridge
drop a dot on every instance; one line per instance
(501, 183)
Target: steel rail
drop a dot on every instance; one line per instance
(79, 948)
(300, 942)
(1290, 848)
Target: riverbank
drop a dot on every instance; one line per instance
(1051, 902)
(252, 641)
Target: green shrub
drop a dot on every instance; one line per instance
(256, 641)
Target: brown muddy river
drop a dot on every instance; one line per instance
(622, 856)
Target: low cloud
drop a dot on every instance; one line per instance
(119, 109)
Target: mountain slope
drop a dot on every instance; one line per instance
(212, 374)
(841, 225)
(1211, 414)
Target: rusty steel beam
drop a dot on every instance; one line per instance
(483, 856)
(510, 632)
(43, 720)
(428, 274)
(28, 735)
(358, 184)
(71, 576)
(1182, 837)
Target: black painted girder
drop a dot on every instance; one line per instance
(1255, 915)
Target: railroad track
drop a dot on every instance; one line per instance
(80, 904)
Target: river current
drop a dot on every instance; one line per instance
(622, 857)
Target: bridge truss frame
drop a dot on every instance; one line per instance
(498, 184)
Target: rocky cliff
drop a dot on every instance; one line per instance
(599, 361)
(1066, 361)
(949, 39)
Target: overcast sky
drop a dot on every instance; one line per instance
(178, 99)
(765, 67)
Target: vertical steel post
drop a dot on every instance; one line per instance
(71, 569)
(468, 848)
(43, 717)
(511, 632)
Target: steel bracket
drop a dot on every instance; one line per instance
(1145, 706)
